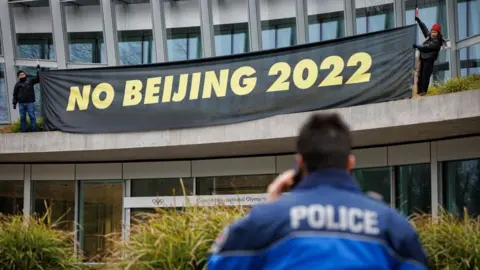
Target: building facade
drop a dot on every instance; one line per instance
(418, 154)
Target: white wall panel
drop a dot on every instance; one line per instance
(53, 172)
(409, 154)
(233, 166)
(138, 170)
(285, 162)
(464, 148)
(98, 171)
(11, 171)
(371, 157)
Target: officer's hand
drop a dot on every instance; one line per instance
(281, 183)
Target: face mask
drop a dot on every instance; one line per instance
(23, 79)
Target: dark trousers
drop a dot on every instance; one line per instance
(24, 109)
(426, 69)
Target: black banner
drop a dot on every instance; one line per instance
(350, 71)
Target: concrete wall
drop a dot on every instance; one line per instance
(444, 150)
(401, 121)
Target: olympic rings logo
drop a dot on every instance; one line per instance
(158, 201)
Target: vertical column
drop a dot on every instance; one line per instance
(206, 28)
(76, 217)
(110, 31)
(159, 30)
(350, 17)
(254, 25)
(399, 7)
(302, 21)
(435, 183)
(59, 33)
(127, 211)
(452, 32)
(8, 41)
(27, 191)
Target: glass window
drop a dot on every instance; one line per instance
(161, 187)
(461, 186)
(85, 31)
(325, 20)
(413, 188)
(59, 196)
(376, 180)
(432, 12)
(372, 17)
(245, 184)
(4, 98)
(32, 72)
(230, 20)
(100, 214)
(182, 19)
(468, 18)
(11, 197)
(135, 37)
(33, 28)
(278, 23)
(470, 60)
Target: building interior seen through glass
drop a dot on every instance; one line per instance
(230, 22)
(278, 22)
(468, 19)
(4, 111)
(84, 28)
(374, 16)
(100, 214)
(326, 20)
(11, 196)
(432, 12)
(33, 29)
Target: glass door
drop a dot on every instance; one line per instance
(101, 214)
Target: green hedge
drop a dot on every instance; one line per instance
(174, 240)
(15, 127)
(454, 85)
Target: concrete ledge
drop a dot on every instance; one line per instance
(425, 118)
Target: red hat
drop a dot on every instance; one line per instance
(437, 27)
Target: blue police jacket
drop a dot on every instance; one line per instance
(325, 222)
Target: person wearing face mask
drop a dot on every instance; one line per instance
(24, 95)
(428, 54)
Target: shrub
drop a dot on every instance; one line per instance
(450, 242)
(32, 243)
(15, 127)
(454, 85)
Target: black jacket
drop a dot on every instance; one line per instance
(24, 91)
(431, 47)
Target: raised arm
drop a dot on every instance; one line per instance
(37, 78)
(423, 27)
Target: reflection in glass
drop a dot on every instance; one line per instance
(374, 17)
(413, 188)
(182, 19)
(470, 60)
(4, 112)
(230, 20)
(461, 186)
(32, 72)
(376, 180)
(59, 196)
(100, 215)
(135, 37)
(468, 18)
(161, 187)
(11, 197)
(236, 184)
(325, 20)
(138, 215)
(278, 23)
(33, 28)
(85, 31)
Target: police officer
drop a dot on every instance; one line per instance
(325, 222)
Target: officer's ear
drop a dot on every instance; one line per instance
(351, 163)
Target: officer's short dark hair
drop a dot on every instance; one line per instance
(324, 142)
(20, 72)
